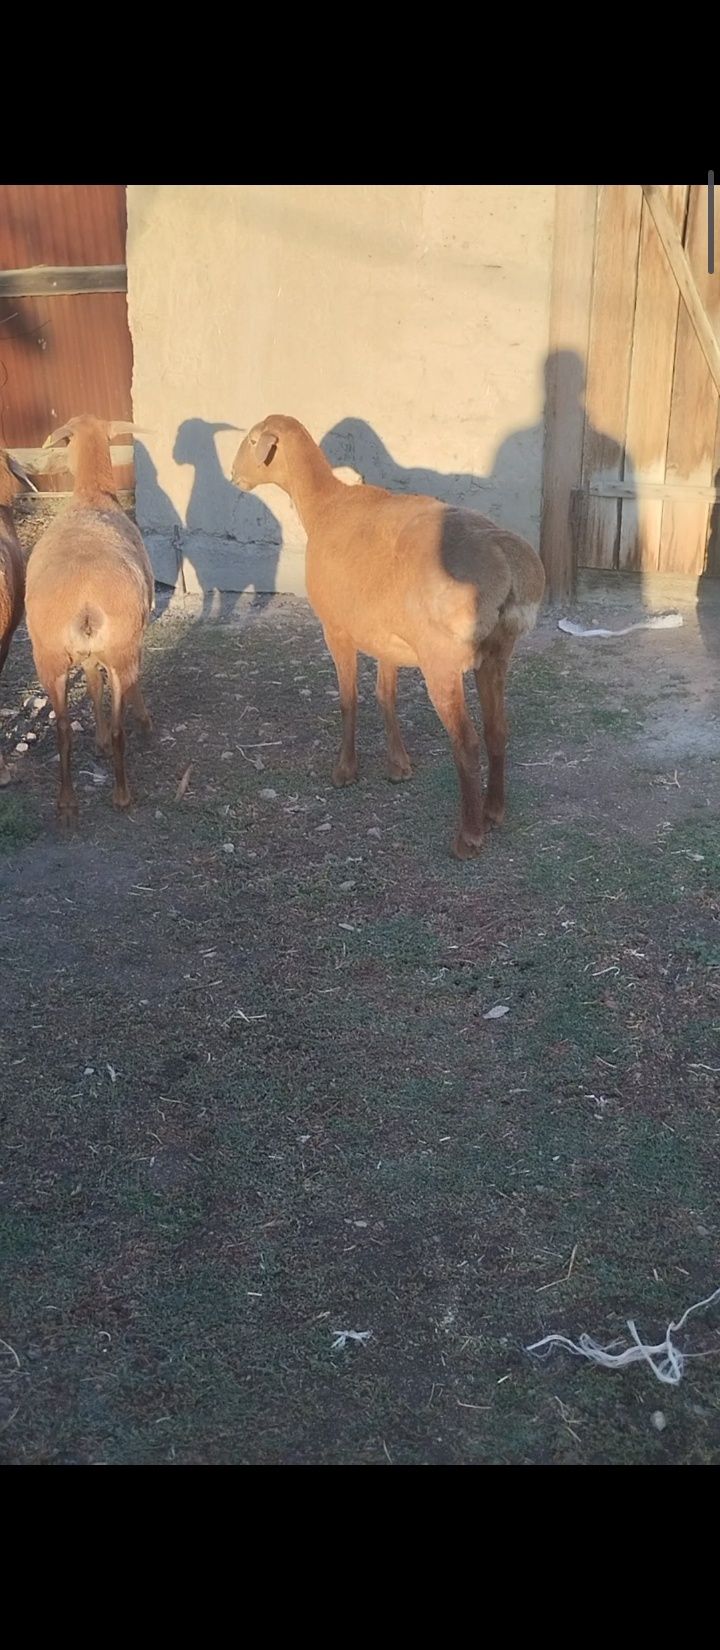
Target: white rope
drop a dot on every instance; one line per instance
(345, 1335)
(660, 621)
(666, 1360)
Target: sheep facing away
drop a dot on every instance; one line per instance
(13, 480)
(408, 581)
(89, 594)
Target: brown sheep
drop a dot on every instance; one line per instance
(409, 581)
(90, 591)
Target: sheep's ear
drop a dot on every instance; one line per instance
(22, 475)
(266, 446)
(57, 437)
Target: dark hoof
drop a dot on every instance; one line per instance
(122, 799)
(494, 813)
(344, 775)
(398, 771)
(467, 845)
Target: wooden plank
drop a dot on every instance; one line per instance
(38, 455)
(694, 412)
(651, 375)
(609, 356)
(712, 551)
(44, 281)
(573, 244)
(681, 490)
(680, 265)
(62, 223)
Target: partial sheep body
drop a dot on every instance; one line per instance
(410, 582)
(89, 595)
(13, 480)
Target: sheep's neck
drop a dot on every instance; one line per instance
(94, 479)
(310, 481)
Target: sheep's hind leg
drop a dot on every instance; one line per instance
(490, 678)
(448, 697)
(5, 774)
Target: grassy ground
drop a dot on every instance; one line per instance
(251, 1097)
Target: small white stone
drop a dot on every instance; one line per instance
(267, 795)
(21, 747)
(225, 756)
(326, 827)
(374, 830)
(658, 1420)
(228, 847)
(31, 737)
(77, 727)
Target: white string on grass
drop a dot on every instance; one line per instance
(666, 1360)
(659, 621)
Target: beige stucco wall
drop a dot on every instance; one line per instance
(407, 325)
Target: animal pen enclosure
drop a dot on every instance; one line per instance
(632, 444)
(628, 335)
(65, 343)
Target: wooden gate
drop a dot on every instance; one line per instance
(65, 343)
(631, 474)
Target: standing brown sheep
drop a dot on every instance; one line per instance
(90, 592)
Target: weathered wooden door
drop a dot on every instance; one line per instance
(632, 444)
(65, 343)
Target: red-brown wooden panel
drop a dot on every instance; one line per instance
(69, 224)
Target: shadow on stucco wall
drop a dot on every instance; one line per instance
(510, 493)
(219, 520)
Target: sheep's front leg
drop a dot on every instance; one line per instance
(95, 686)
(398, 760)
(344, 655)
(121, 790)
(140, 708)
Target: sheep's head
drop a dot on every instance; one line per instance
(14, 478)
(260, 457)
(70, 439)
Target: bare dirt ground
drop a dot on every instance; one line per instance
(250, 1097)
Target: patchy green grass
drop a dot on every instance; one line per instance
(253, 1098)
(19, 822)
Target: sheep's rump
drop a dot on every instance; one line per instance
(492, 577)
(89, 586)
